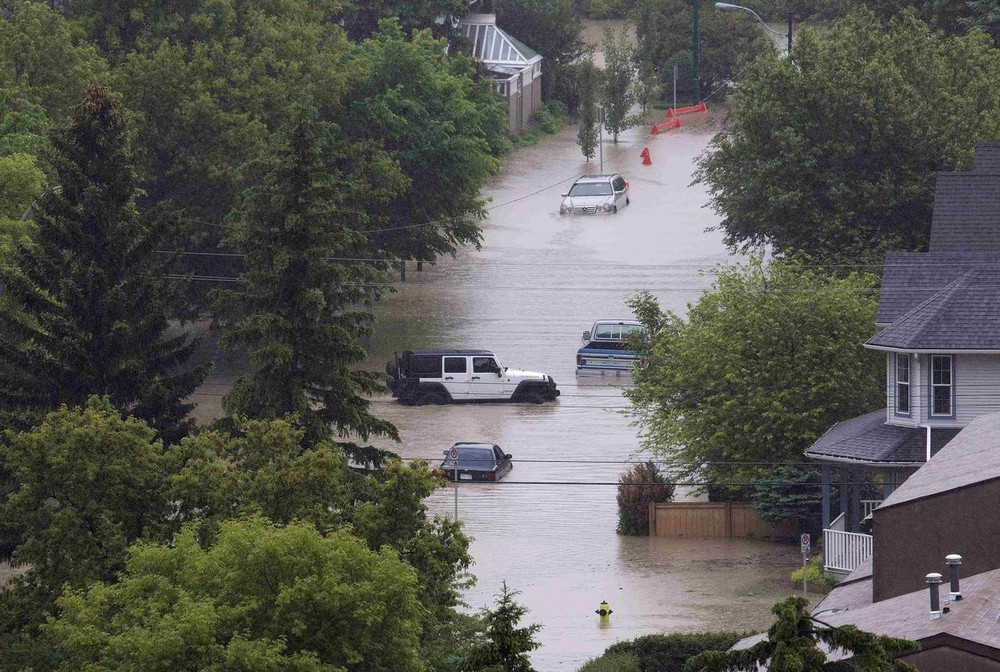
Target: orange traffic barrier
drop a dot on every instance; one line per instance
(673, 123)
(645, 157)
(676, 112)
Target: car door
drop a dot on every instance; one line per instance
(503, 464)
(620, 187)
(456, 376)
(486, 381)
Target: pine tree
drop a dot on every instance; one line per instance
(87, 301)
(506, 647)
(298, 311)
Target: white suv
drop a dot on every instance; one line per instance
(446, 376)
(595, 193)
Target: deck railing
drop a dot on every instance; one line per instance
(867, 506)
(845, 551)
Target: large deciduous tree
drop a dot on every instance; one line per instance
(260, 597)
(832, 153)
(87, 483)
(553, 28)
(298, 309)
(88, 301)
(763, 365)
(793, 645)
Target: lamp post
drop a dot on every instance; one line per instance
(727, 7)
(696, 52)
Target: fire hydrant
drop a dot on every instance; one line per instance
(604, 610)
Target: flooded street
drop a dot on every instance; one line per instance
(540, 280)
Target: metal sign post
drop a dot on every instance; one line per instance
(675, 87)
(454, 456)
(804, 544)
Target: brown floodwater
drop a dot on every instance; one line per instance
(540, 280)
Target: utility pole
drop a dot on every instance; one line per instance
(789, 33)
(696, 51)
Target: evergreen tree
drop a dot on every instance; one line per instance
(588, 81)
(296, 312)
(506, 647)
(87, 305)
(792, 646)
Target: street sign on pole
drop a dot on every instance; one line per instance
(804, 542)
(600, 135)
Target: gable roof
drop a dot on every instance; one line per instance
(910, 278)
(963, 315)
(867, 438)
(966, 211)
(973, 456)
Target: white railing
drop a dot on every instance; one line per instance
(867, 506)
(845, 551)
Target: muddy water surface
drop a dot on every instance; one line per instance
(539, 281)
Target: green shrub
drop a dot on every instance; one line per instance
(817, 578)
(635, 495)
(615, 662)
(665, 653)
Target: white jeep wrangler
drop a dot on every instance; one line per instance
(451, 376)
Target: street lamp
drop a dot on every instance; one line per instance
(726, 7)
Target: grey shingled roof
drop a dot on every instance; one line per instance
(974, 619)
(867, 438)
(911, 278)
(973, 456)
(966, 213)
(963, 315)
(987, 158)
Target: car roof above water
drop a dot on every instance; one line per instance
(597, 178)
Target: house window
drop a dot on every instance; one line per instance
(902, 384)
(942, 386)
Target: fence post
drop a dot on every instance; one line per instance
(729, 520)
(652, 519)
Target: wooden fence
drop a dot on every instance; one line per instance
(727, 520)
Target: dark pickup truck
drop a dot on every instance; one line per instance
(606, 349)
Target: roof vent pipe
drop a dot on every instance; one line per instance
(933, 581)
(954, 562)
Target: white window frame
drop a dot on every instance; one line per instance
(950, 385)
(901, 385)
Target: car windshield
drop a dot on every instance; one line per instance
(591, 189)
(471, 458)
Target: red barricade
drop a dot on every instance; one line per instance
(672, 112)
(673, 123)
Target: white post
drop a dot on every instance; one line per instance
(675, 88)
(456, 489)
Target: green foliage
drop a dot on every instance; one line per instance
(260, 598)
(816, 577)
(729, 41)
(662, 653)
(362, 17)
(260, 467)
(23, 125)
(613, 662)
(21, 180)
(506, 646)
(832, 154)
(553, 28)
(636, 491)
(954, 18)
(447, 643)
(791, 646)
(443, 129)
(46, 58)
(794, 494)
(295, 313)
(89, 301)
(763, 365)
(619, 87)
(87, 484)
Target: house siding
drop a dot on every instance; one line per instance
(913, 538)
(977, 389)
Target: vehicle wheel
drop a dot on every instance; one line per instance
(627, 201)
(614, 209)
(534, 398)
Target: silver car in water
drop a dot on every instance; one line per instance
(595, 193)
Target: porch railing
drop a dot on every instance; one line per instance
(845, 551)
(867, 506)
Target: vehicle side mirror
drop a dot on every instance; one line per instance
(586, 335)
(508, 456)
(500, 374)
(564, 195)
(446, 453)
